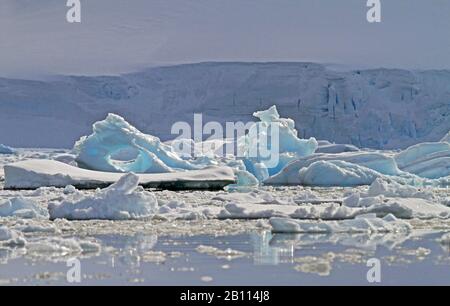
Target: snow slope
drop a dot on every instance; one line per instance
(378, 108)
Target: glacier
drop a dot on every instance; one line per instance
(367, 108)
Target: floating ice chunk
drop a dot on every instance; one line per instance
(362, 224)
(429, 160)
(382, 186)
(285, 147)
(22, 208)
(336, 173)
(117, 146)
(409, 208)
(6, 150)
(330, 211)
(377, 162)
(121, 201)
(35, 173)
(11, 238)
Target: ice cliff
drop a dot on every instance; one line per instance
(380, 108)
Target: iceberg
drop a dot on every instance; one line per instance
(123, 200)
(336, 173)
(389, 188)
(22, 208)
(117, 146)
(372, 164)
(11, 238)
(283, 145)
(428, 160)
(36, 173)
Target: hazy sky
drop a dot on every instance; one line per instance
(123, 35)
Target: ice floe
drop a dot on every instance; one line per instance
(362, 224)
(22, 208)
(121, 201)
(11, 238)
(391, 188)
(35, 173)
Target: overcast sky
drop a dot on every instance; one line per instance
(125, 35)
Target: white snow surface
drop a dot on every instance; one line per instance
(361, 224)
(23, 208)
(35, 173)
(123, 200)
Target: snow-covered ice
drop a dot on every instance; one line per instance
(22, 208)
(429, 160)
(362, 224)
(121, 201)
(365, 167)
(35, 173)
(336, 173)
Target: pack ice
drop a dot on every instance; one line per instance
(123, 200)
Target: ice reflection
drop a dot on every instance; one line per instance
(265, 253)
(274, 249)
(130, 251)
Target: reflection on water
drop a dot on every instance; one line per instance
(190, 260)
(266, 253)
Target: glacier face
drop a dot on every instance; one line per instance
(381, 108)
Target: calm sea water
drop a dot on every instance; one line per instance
(246, 259)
